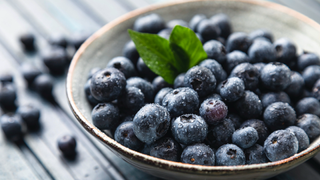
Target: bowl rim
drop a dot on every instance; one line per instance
(166, 164)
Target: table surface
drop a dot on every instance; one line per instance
(38, 156)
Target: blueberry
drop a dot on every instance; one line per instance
(232, 89)
(310, 75)
(27, 40)
(30, 115)
(144, 86)
(125, 136)
(129, 51)
(281, 144)
(286, 50)
(261, 33)
(107, 84)
(260, 127)
(8, 96)
(171, 24)
(272, 97)
(131, 100)
(124, 65)
(165, 33)
(316, 90)
(200, 38)
(306, 60)
(55, 58)
(279, 115)
(308, 105)
(93, 101)
(220, 134)
(166, 148)
(215, 50)
(181, 101)
(105, 116)
(146, 148)
(248, 73)
(159, 83)
(262, 51)
(213, 111)
(201, 80)
(222, 21)
(93, 71)
(235, 119)
(211, 96)
(77, 39)
(296, 85)
(196, 19)
(238, 41)
(235, 58)
(208, 30)
(161, 94)
(6, 78)
(245, 137)
(255, 155)
(275, 76)
(301, 136)
(11, 126)
(151, 123)
(310, 124)
(151, 23)
(29, 72)
(179, 81)
(58, 40)
(67, 145)
(43, 85)
(198, 154)
(215, 68)
(188, 129)
(144, 70)
(249, 105)
(230, 155)
(221, 40)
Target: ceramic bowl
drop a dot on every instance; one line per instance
(245, 16)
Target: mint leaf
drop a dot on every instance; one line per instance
(188, 41)
(156, 54)
(181, 57)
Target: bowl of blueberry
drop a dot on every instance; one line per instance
(203, 89)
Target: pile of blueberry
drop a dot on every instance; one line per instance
(252, 101)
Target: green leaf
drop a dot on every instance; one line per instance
(181, 57)
(188, 41)
(156, 54)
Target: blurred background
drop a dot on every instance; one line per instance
(67, 23)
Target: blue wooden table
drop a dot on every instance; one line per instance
(38, 157)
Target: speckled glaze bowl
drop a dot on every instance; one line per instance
(245, 16)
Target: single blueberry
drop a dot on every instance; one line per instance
(230, 155)
(179, 81)
(245, 137)
(159, 83)
(58, 40)
(181, 101)
(261, 33)
(208, 30)
(161, 94)
(55, 58)
(146, 148)
(195, 20)
(166, 148)
(105, 116)
(307, 59)
(281, 144)
(213, 111)
(248, 73)
(93, 101)
(296, 85)
(232, 89)
(67, 145)
(129, 51)
(272, 97)
(93, 71)
(172, 23)
(249, 105)
(215, 50)
(262, 51)
(223, 22)
(188, 129)
(107, 84)
(275, 76)
(286, 50)
(30, 115)
(310, 75)
(235, 58)
(29, 72)
(131, 100)
(151, 123)
(28, 41)
(198, 154)
(144, 70)
(6, 78)
(151, 23)
(260, 127)
(165, 33)
(310, 124)
(215, 68)
(43, 85)
(220, 134)
(255, 155)
(308, 105)
(124, 65)
(238, 41)
(11, 126)
(8, 96)
(144, 86)
(301, 136)
(125, 136)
